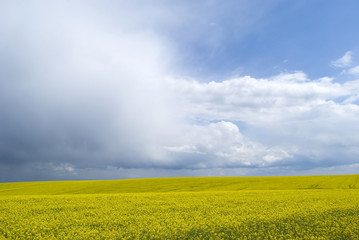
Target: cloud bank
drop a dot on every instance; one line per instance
(89, 96)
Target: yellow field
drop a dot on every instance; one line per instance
(186, 208)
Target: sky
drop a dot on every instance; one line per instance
(137, 89)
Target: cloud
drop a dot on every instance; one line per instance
(87, 95)
(258, 101)
(343, 62)
(353, 71)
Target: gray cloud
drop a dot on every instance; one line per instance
(73, 90)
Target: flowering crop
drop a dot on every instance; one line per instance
(251, 214)
(183, 184)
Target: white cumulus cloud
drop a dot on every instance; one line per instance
(221, 145)
(311, 120)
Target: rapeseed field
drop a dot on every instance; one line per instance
(183, 208)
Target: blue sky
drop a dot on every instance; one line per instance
(128, 89)
(279, 36)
